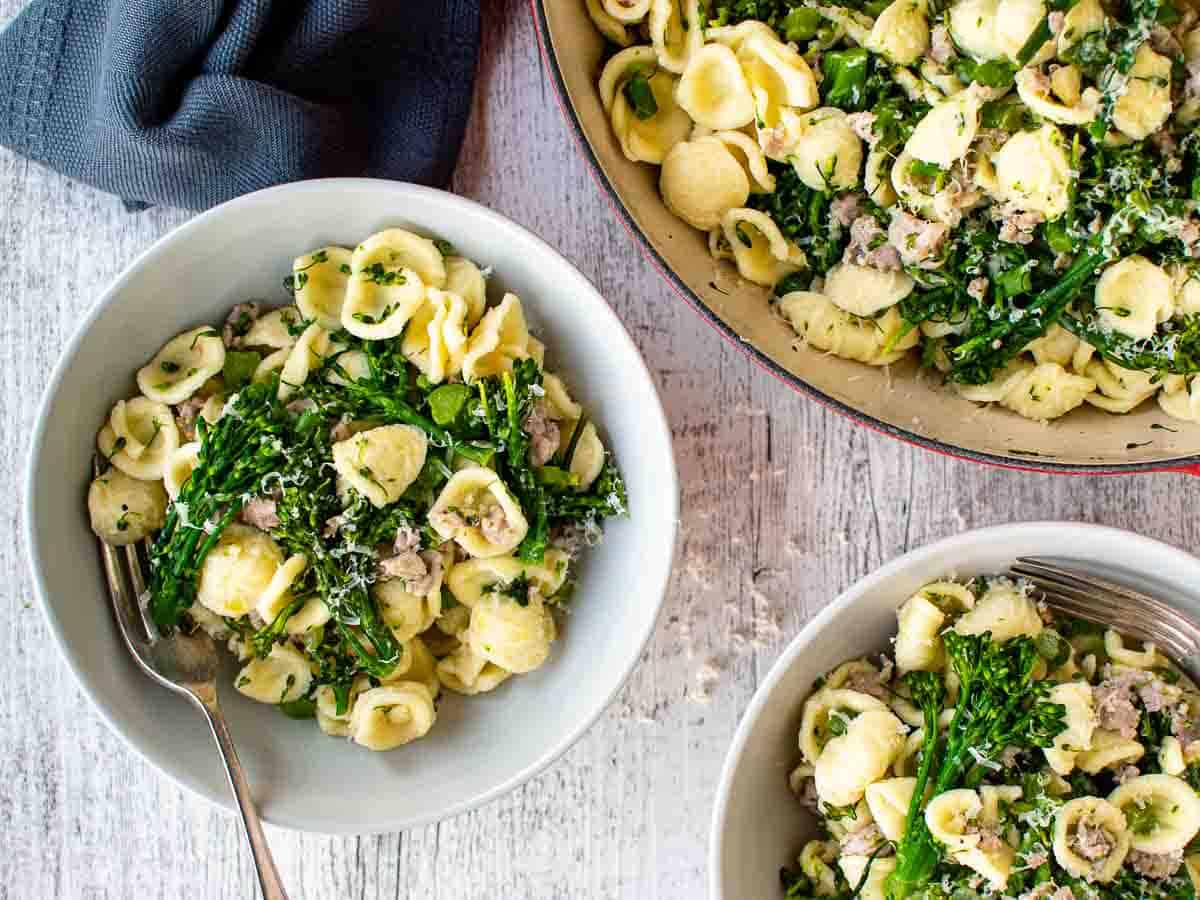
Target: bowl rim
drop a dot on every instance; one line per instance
(1187, 464)
(35, 561)
(811, 631)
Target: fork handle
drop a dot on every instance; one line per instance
(268, 876)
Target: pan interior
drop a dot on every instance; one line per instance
(899, 398)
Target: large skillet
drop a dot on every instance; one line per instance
(900, 402)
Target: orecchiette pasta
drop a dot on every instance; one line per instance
(382, 462)
(392, 715)
(435, 340)
(701, 180)
(124, 510)
(181, 367)
(1091, 838)
(677, 31)
(500, 337)
(510, 633)
(321, 279)
(762, 254)
(820, 324)
(477, 511)
(139, 438)
(280, 677)
(851, 761)
(1162, 810)
(714, 91)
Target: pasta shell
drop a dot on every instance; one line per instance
(382, 462)
(588, 460)
(124, 510)
(1145, 104)
(313, 614)
(307, 356)
(328, 718)
(901, 33)
(1081, 721)
(651, 139)
(918, 639)
(405, 613)
(828, 154)
(1095, 813)
(862, 755)
(701, 180)
(1108, 750)
(814, 722)
(762, 254)
(950, 816)
(466, 672)
(151, 426)
(500, 337)
(714, 90)
(778, 76)
(283, 676)
(1033, 172)
(1004, 610)
(1163, 812)
(471, 580)
(320, 280)
(946, 132)
(477, 511)
(272, 329)
(392, 715)
(1133, 296)
(863, 290)
(994, 29)
(629, 12)
(182, 366)
(278, 592)
(607, 25)
(888, 801)
(181, 462)
(435, 340)
(619, 67)
(389, 273)
(510, 635)
(237, 571)
(465, 279)
(877, 342)
(676, 31)
(855, 866)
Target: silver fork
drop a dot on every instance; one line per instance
(187, 665)
(1094, 599)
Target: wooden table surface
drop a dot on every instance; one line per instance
(784, 504)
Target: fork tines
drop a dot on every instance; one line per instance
(1095, 599)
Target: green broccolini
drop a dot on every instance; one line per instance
(1000, 704)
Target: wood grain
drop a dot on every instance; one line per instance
(784, 504)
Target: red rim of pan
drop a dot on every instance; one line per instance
(1189, 465)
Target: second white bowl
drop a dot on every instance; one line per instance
(758, 826)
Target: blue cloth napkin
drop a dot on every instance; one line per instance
(191, 102)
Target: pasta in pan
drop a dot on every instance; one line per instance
(1053, 759)
(370, 495)
(1024, 168)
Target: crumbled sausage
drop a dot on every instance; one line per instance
(260, 512)
(863, 125)
(1155, 865)
(869, 246)
(844, 209)
(543, 434)
(238, 322)
(941, 47)
(915, 239)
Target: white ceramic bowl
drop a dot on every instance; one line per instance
(480, 747)
(758, 826)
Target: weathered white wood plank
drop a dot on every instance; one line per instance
(784, 504)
